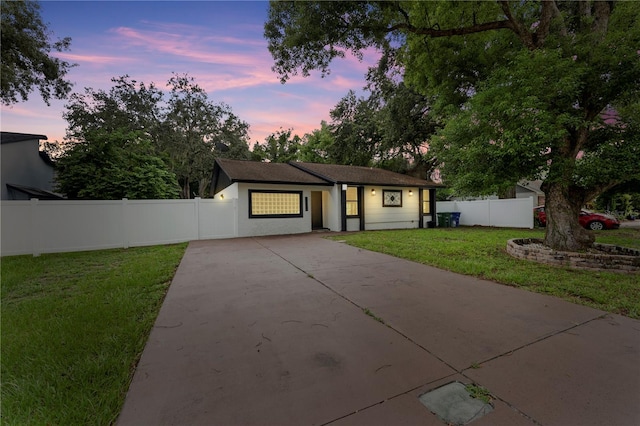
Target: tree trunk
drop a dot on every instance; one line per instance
(563, 230)
(203, 187)
(186, 189)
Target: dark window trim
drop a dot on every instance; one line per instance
(384, 191)
(361, 207)
(343, 209)
(422, 201)
(274, 216)
(358, 202)
(432, 207)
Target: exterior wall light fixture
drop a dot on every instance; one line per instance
(373, 192)
(410, 193)
(222, 196)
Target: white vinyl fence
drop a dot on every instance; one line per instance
(507, 213)
(35, 227)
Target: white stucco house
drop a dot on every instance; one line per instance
(279, 198)
(26, 172)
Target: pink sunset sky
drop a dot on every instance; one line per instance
(219, 43)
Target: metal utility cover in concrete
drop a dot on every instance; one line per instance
(453, 404)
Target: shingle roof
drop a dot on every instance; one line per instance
(362, 175)
(255, 171)
(32, 192)
(226, 172)
(9, 137)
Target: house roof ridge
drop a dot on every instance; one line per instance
(11, 137)
(300, 165)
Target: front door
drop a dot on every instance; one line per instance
(316, 210)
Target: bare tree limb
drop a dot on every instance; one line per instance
(523, 34)
(435, 32)
(601, 15)
(544, 24)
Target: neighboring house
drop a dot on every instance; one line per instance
(26, 172)
(526, 189)
(279, 198)
(523, 189)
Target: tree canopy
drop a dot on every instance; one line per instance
(529, 89)
(26, 48)
(176, 140)
(114, 165)
(278, 147)
(195, 130)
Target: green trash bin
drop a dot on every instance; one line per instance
(444, 220)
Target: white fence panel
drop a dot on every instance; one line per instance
(15, 232)
(507, 213)
(151, 222)
(63, 226)
(218, 219)
(35, 227)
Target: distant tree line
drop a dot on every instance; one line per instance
(134, 141)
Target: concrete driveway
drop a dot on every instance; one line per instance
(288, 331)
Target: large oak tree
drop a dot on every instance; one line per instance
(528, 89)
(27, 62)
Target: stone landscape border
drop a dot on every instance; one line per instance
(603, 257)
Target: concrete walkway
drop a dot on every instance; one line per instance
(273, 331)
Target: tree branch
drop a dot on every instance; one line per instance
(523, 34)
(435, 33)
(601, 21)
(594, 191)
(546, 15)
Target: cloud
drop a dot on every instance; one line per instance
(190, 47)
(229, 60)
(225, 80)
(83, 59)
(218, 62)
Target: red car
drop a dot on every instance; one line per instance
(587, 219)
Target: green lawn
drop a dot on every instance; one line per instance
(73, 328)
(481, 252)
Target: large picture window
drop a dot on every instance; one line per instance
(275, 204)
(352, 201)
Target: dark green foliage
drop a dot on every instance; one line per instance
(195, 130)
(624, 199)
(315, 145)
(278, 147)
(26, 60)
(129, 104)
(389, 129)
(308, 35)
(356, 131)
(114, 166)
(529, 89)
(137, 135)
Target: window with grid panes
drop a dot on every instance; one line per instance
(426, 205)
(275, 203)
(352, 201)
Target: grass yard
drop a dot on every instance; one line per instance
(73, 328)
(481, 252)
